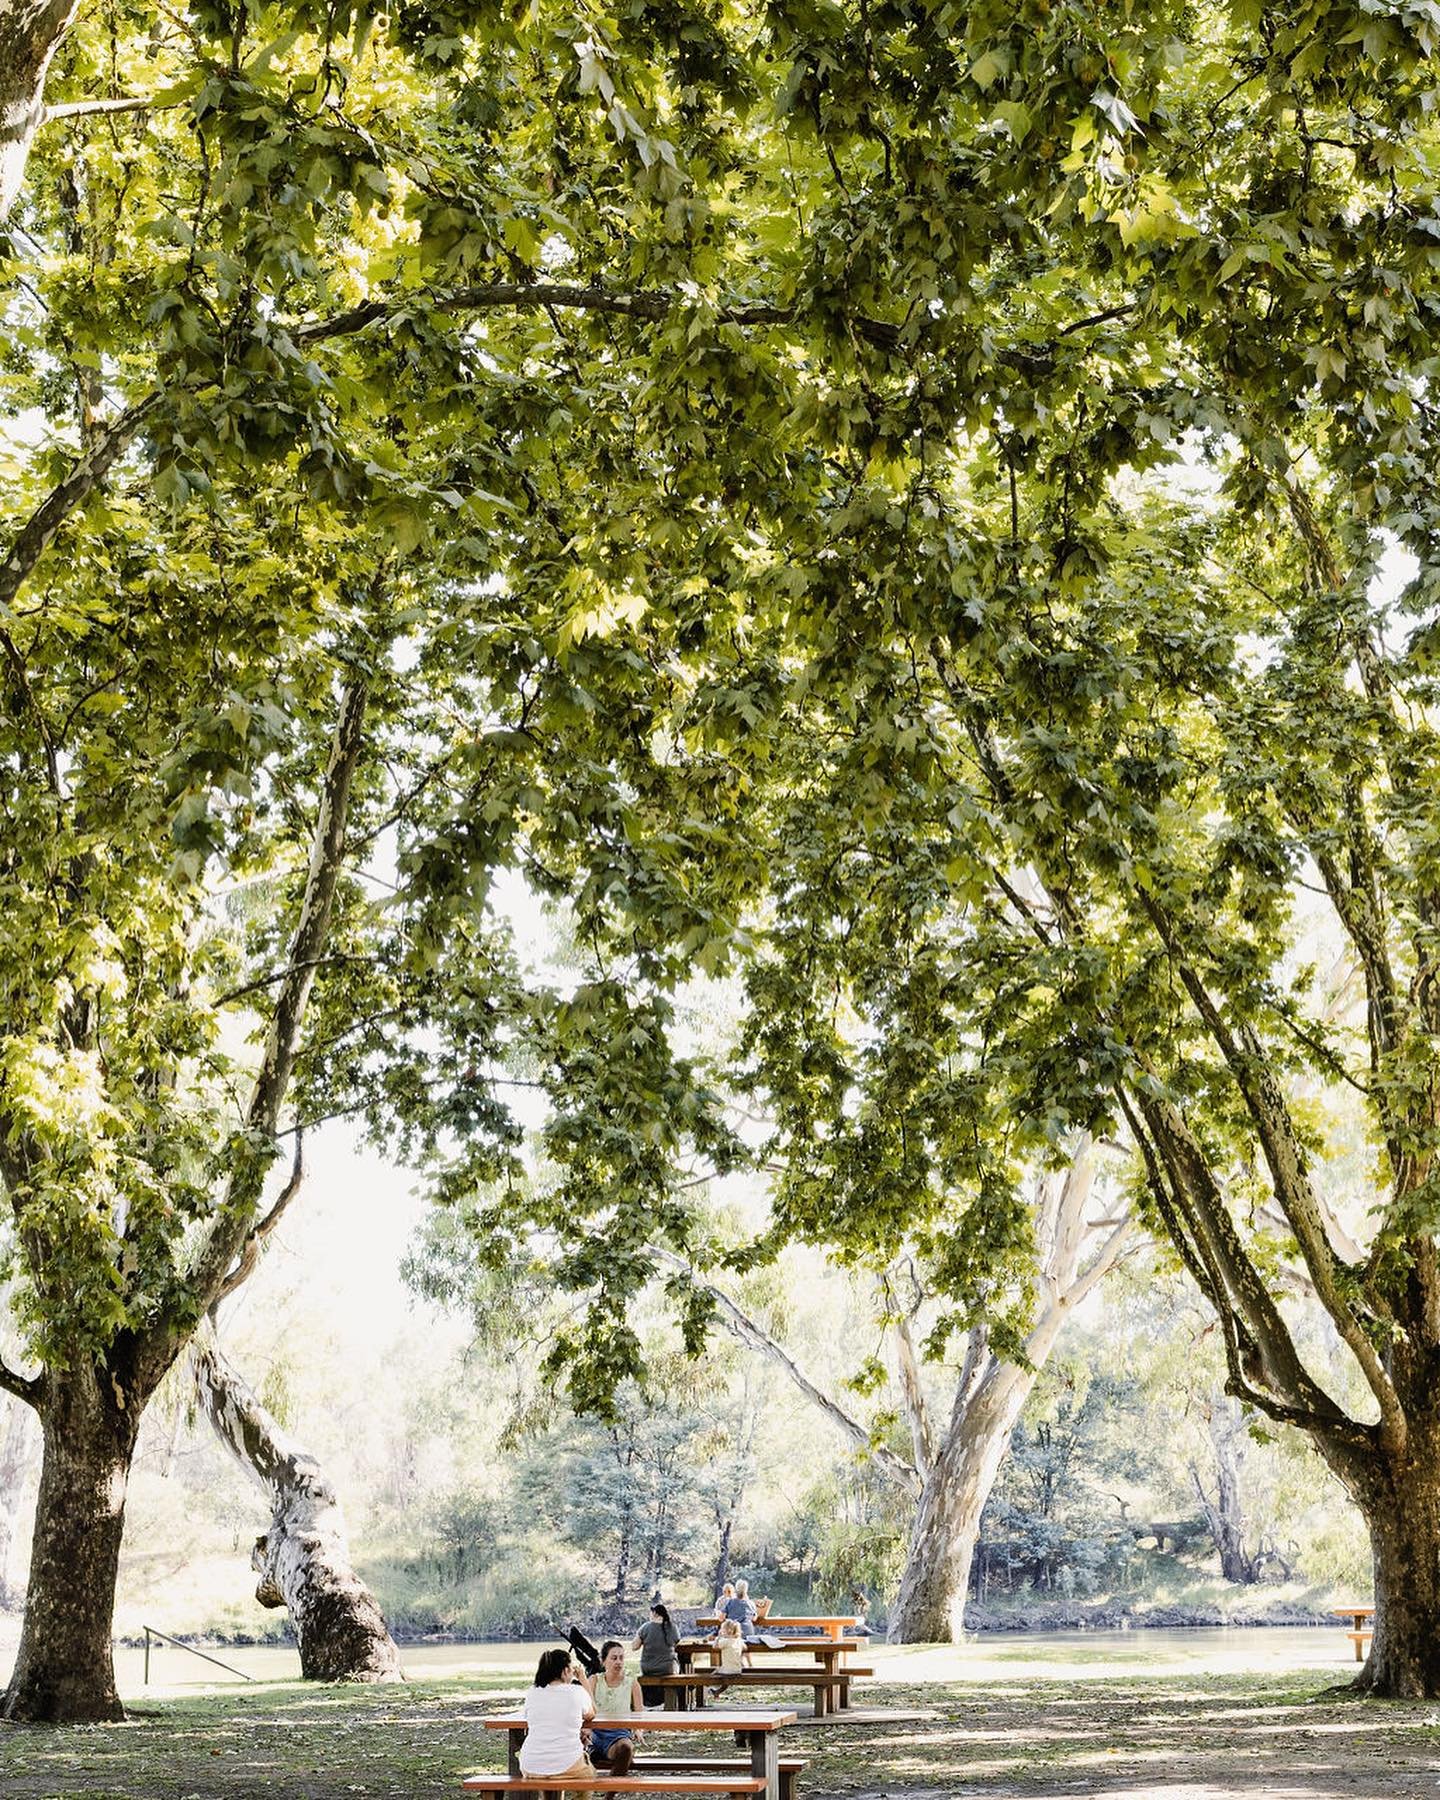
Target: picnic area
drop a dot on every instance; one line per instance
(1037, 1728)
(719, 898)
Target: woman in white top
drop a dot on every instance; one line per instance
(555, 1710)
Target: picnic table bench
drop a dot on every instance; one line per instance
(833, 1656)
(689, 1688)
(1361, 1633)
(756, 1733)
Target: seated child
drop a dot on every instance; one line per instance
(730, 1642)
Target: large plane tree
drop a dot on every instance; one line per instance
(351, 369)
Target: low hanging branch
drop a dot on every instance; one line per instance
(744, 1328)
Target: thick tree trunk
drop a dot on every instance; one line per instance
(64, 1671)
(303, 1560)
(1403, 1517)
(930, 1608)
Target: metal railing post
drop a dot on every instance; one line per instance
(165, 1638)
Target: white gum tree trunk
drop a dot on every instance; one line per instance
(961, 1468)
(954, 1470)
(15, 1441)
(303, 1560)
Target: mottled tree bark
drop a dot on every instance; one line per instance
(30, 31)
(303, 1560)
(91, 1408)
(930, 1608)
(989, 1399)
(1402, 1510)
(64, 1668)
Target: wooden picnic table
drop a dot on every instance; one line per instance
(756, 1731)
(1360, 1633)
(828, 1651)
(832, 1628)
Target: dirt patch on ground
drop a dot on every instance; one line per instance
(1181, 1737)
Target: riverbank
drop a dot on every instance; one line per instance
(1229, 1613)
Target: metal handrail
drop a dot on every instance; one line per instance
(150, 1631)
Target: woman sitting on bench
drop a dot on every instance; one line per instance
(615, 1698)
(556, 1708)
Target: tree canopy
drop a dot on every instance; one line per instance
(732, 467)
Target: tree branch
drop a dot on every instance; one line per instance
(84, 109)
(250, 1250)
(912, 1392)
(251, 1149)
(1268, 1353)
(743, 1328)
(39, 530)
(536, 296)
(1285, 1157)
(28, 1388)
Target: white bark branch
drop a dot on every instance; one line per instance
(86, 109)
(912, 1394)
(743, 1328)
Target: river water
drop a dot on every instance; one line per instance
(993, 1657)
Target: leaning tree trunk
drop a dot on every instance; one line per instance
(988, 1402)
(930, 1608)
(14, 1457)
(303, 1560)
(64, 1670)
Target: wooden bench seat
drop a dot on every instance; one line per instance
(760, 1674)
(1359, 1639)
(738, 1783)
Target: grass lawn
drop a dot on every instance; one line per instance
(1187, 1737)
